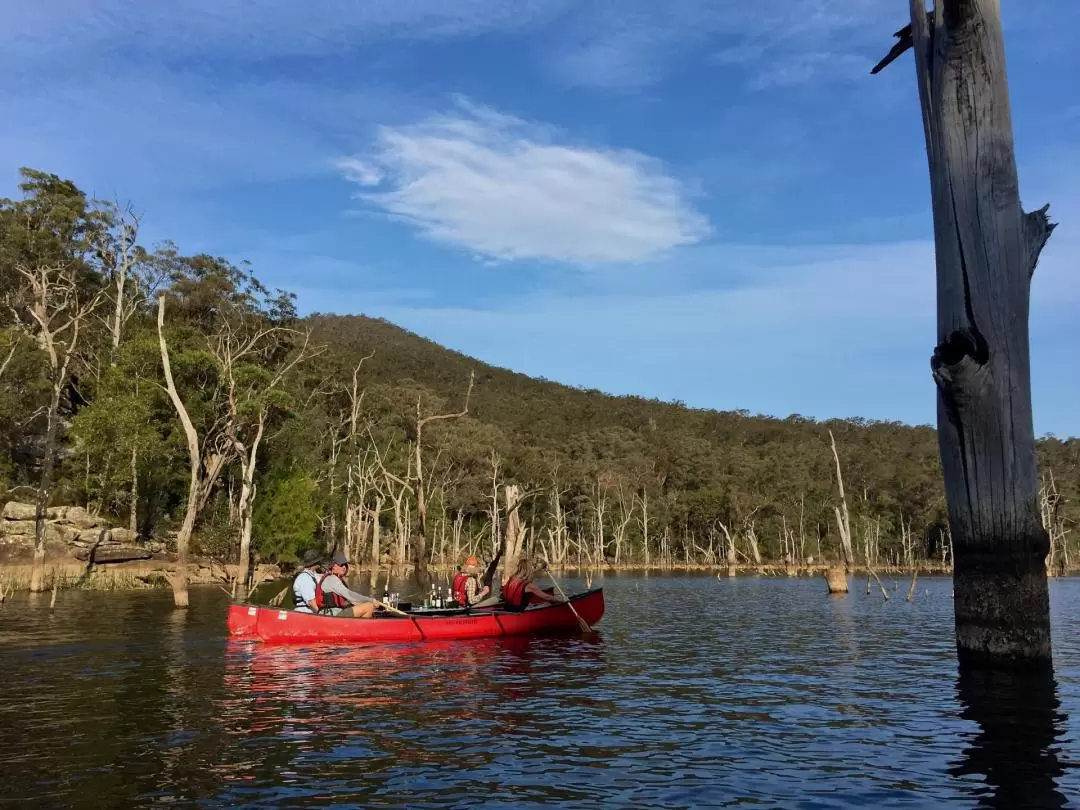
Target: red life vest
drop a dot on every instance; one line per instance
(513, 593)
(324, 600)
(457, 589)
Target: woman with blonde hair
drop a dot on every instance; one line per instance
(519, 590)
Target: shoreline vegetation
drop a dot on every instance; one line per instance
(64, 576)
(134, 577)
(189, 413)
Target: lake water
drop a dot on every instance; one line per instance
(760, 692)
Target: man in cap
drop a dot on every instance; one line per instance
(468, 590)
(339, 600)
(327, 593)
(307, 581)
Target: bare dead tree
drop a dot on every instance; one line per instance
(515, 531)
(987, 248)
(420, 489)
(626, 517)
(730, 555)
(643, 521)
(16, 338)
(53, 312)
(183, 539)
(117, 252)
(248, 402)
(843, 519)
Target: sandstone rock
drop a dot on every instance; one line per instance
(12, 526)
(54, 532)
(75, 516)
(17, 540)
(63, 533)
(156, 547)
(14, 510)
(123, 537)
(113, 555)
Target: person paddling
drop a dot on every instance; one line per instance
(519, 590)
(337, 599)
(327, 593)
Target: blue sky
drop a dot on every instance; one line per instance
(706, 201)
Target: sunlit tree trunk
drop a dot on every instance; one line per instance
(986, 251)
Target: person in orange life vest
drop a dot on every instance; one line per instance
(467, 590)
(328, 594)
(519, 590)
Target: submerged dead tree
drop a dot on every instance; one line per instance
(843, 519)
(986, 252)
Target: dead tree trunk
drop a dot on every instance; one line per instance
(843, 519)
(247, 498)
(376, 525)
(515, 532)
(420, 489)
(133, 514)
(56, 318)
(179, 577)
(986, 252)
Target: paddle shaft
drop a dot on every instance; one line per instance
(391, 609)
(584, 624)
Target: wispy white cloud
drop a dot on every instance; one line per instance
(247, 29)
(507, 189)
(162, 132)
(774, 42)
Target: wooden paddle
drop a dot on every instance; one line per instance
(584, 624)
(391, 609)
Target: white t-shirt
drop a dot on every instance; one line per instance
(304, 587)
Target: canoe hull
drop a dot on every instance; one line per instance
(288, 626)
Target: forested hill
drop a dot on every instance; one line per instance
(299, 442)
(727, 466)
(545, 409)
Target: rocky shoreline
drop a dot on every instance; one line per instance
(83, 550)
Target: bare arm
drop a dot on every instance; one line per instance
(333, 584)
(540, 593)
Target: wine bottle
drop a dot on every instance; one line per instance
(386, 594)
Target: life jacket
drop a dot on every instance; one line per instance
(298, 600)
(514, 595)
(457, 588)
(324, 601)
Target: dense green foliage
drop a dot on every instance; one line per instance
(335, 405)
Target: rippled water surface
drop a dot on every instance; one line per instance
(698, 693)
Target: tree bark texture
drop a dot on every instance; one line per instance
(179, 578)
(986, 251)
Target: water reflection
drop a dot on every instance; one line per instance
(1016, 748)
(698, 692)
(365, 716)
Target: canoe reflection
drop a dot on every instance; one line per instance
(270, 684)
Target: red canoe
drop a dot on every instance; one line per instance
(289, 626)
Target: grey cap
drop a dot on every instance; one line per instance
(340, 559)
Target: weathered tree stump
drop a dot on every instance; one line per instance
(986, 252)
(836, 578)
